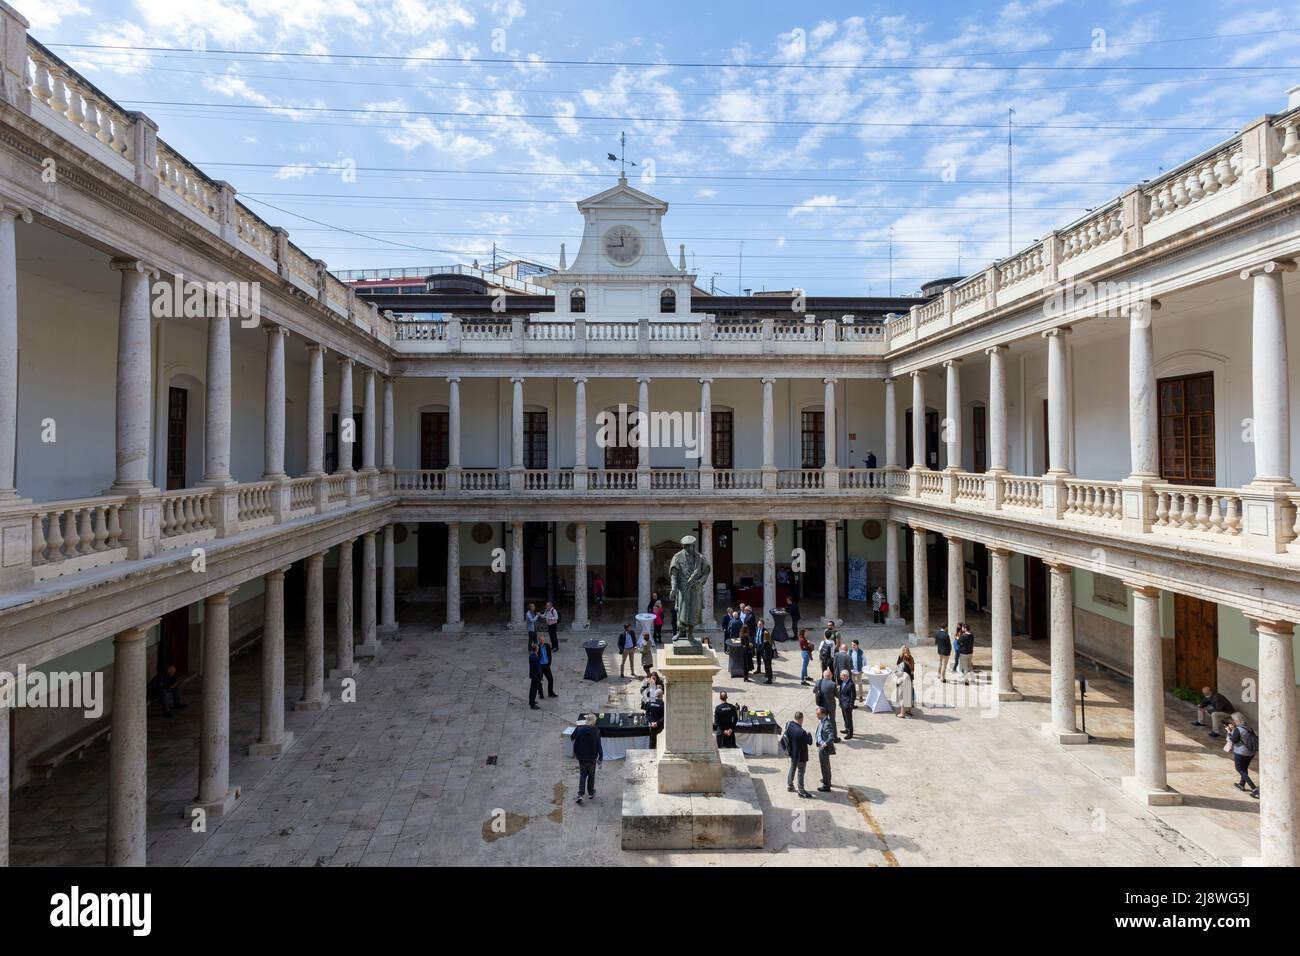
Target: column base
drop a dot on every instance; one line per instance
(580, 626)
(895, 621)
(1151, 798)
(320, 703)
(515, 626)
(454, 627)
(388, 628)
(1005, 695)
(366, 650)
(1066, 737)
(921, 640)
(215, 809)
(260, 749)
(338, 673)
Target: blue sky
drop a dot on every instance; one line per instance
(420, 132)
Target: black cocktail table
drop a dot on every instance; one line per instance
(595, 660)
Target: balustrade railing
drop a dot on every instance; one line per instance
(1094, 500)
(256, 504)
(675, 479)
(799, 479)
(738, 479)
(1022, 492)
(1184, 510)
(187, 511)
(302, 496)
(612, 479)
(65, 533)
(548, 479)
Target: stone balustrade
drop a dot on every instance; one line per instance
(70, 536)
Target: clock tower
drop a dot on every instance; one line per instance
(623, 270)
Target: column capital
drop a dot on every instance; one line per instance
(1274, 627)
(917, 529)
(1142, 308)
(953, 538)
(706, 379)
(516, 380)
(138, 633)
(917, 373)
(994, 349)
(830, 380)
(453, 379)
(1060, 332)
(277, 574)
(1268, 268)
(579, 380)
(318, 556)
(15, 210)
(270, 328)
(769, 380)
(1057, 566)
(998, 552)
(134, 265)
(706, 523)
(317, 347)
(888, 380)
(345, 360)
(453, 524)
(221, 597)
(951, 363)
(370, 534)
(643, 379)
(831, 523)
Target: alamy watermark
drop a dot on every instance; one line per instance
(182, 298)
(57, 689)
(1105, 300)
(656, 429)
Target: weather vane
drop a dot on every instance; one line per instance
(621, 159)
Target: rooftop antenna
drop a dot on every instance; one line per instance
(621, 159)
(563, 266)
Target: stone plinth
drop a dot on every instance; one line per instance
(653, 820)
(689, 763)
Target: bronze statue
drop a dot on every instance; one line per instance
(687, 576)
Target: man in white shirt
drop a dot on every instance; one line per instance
(627, 651)
(857, 658)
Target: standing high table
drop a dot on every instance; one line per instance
(595, 660)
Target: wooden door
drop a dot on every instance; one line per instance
(536, 545)
(1187, 429)
(979, 439)
(812, 583)
(931, 439)
(431, 562)
(1036, 598)
(620, 558)
(812, 439)
(177, 425)
(723, 548)
(1196, 642)
(434, 440)
(175, 648)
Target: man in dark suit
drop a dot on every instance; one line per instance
(766, 649)
(797, 741)
(848, 697)
(840, 660)
(654, 715)
(825, 740)
(534, 675)
(589, 751)
(827, 694)
(725, 716)
(544, 667)
(747, 645)
(792, 609)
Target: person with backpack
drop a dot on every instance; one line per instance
(1243, 743)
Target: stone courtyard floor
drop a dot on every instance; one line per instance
(441, 743)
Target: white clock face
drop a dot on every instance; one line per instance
(622, 245)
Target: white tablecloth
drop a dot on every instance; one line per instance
(615, 748)
(877, 696)
(645, 624)
(759, 745)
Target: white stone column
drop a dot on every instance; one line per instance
(1270, 382)
(956, 582)
(997, 408)
(1058, 401)
(1143, 399)
(315, 409)
(832, 571)
(128, 750)
(369, 645)
(216, 410)
(706, 549)
(388, 596)
(643, 583)
(344, 658)
(454, 622)
(1279, 747)
(8, 365)
(580, 433)
(831, 436)
(769, 436)
(346, 422)
(769, 565)
(371, 418)
(643, 449)
(389, 460)
(517, 423)
(314, 696)
(1150, 783)
(891, 428)
(453, 423)
(216, 797)
(706, 424)
(1063, 727)
(517, 576)
(273, 740)
(581, 619)
(134, 377)
(920, 587)
(952, 419)
(1000, 598)
(918, 419)
(892, 594)
(273, 437)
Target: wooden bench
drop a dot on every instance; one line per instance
(47, 760)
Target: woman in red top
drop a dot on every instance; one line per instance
(806, 651)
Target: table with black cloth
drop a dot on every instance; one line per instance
(758, 736)
(619, 733)
(595, 660)
(779, 633)
(735, 658)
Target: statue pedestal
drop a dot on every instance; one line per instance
(689, 763)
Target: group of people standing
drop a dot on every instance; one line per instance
(743, 625)
(631, 646)
(958, 647)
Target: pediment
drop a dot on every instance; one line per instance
(622, 196)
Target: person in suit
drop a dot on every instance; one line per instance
(825, 740)
(943, 647)
(966, 652)
(544, 665)
(827, 695)
(870, 462)
(840, 661)
(626, 650)
(747, 645)
(792, 609)
(857, 662)
(725, 716)
(848, 697)
(654, 712)
(766, 651)
(534, 676)
(589, 751)
(797, 741)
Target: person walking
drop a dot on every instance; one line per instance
(589, 751)
(1244, 744)
(626, 650)
(943, 647)
(857, 661)
(647, 653)
(552, 618)
(966, 652)
(904, 682)
(848, 697)
(544, 665)
(725, 716)
(827, 694)
(797, 741)
(534, 676)
(877, 599)
(806, 652)
(766, 651)
(825, 740)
